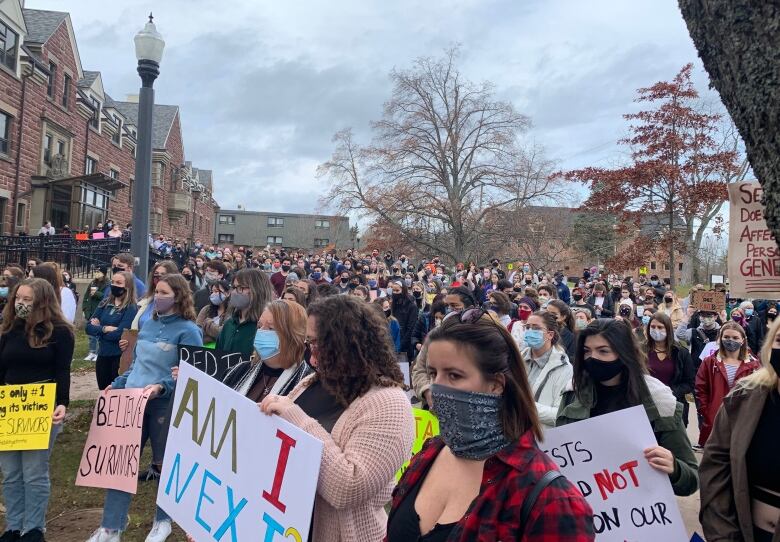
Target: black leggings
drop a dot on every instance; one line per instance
(106, 370)
(760, 535)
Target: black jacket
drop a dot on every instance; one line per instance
(568, 342)
(201, 298)
(406, 312)
(421, 329)
(607, 309)
(684, 373)
(755, 334)
(699, 339)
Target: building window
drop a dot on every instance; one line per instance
(114, 174)
(50, 85)
(48, 143)
(322, 223)
(95, 121)
(9, 44)
(679, 266)
(157, 173)
(66, 91)
(274, 222)
(274, 240)
(319, 243)
(117, 137)
(130, 191)
(155, 222)
(225, 238)
(21, 214)
(5, 132)
(652, 265)
(227, 219)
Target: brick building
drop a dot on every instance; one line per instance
(67, 149)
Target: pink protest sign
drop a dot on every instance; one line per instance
(113, 448)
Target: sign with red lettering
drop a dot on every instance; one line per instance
(232, 472)
(709, 301)
(112, 452)
(604, 458)
(754, 258)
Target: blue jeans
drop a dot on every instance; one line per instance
(93, 344)
(26, 486)
(155, 428)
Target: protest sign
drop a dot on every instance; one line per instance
(708, 301)
(604, 458)
(753, 257)
(425, 426)
(25, 416)
(229, 468)
(112, 452)
(211, 361)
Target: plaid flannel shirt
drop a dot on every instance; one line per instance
(560, 514)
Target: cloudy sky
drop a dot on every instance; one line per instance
(263, 85)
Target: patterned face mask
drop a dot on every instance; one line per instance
(469, 421)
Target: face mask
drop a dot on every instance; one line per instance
(774, 360)
(668, 300)
(429, 298)
(316, 275)
(645, 320)
(116, 269)
(737, 317)
(3, 291)
(577, 297)
(118, 291)
(528, 281)
(266, 343)
(653, 283)
(199, 264)
(544, 299)
(217, 298)
(417, 294)
(372, 284)
(211, 277)
(389, 291)
(387, 313)
(163, 304)
(22, 310)
(601, 371)
(708, 321)
(771, 315)
(408, 282)
(658, 335)
(748, 312)
(239, 301)
(580, 324)
(524, 314)
(730, 345)
(344, 280)
(526, 269)
(285, 268)
(534, 338)
(97, 275)
(458, 410)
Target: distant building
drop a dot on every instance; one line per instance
(258, 229)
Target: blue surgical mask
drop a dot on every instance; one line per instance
(748, 312)
(534, 338)
(316, 275)
(372, 284)
(217, 298)
(266, 343)
(4, 291)
(645, 320)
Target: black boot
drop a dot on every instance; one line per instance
(34, 535)
(10, 536)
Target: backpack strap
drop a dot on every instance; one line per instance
(530, 500)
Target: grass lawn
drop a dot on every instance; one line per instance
(79, 353)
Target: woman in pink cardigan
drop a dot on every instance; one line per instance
(355, 404)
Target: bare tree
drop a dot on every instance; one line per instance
(445, 156)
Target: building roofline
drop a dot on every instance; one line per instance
(285, 215)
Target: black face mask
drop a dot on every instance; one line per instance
(417, 294)
(387, 313)
(577, 297)
(528, 281)
(601, 371)
(344, 281)
(116, 270)
(118, 291)
(775, 360)
(285, 268)
(771, 315)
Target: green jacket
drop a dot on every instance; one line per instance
(665, 415)
(90, 302)
(237, 336)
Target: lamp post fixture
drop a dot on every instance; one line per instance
(149, 47)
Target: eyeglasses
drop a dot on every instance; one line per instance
(242, 289)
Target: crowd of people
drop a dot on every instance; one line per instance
(337, 343)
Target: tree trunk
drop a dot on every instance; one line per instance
(738, 41)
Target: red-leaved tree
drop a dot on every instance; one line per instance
(682, 158)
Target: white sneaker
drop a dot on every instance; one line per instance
(105, 535)
(89, 356)
(93, 356)
(161, 530)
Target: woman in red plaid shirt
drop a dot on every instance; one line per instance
(476, 481)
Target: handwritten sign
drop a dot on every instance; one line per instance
(214, 363)
(25, 416)
(112, 452)
(231, 470)
(753, 257)
(708, 301)
(426, 425)
(604, 458)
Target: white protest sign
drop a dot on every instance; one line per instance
(604, 458)
(231, 470)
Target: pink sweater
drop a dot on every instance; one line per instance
(369, 443)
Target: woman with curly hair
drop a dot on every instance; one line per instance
(156, 353)
(355, 404)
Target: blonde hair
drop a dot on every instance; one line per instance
(290, 325)
(766, 377)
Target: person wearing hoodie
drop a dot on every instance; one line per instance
(609, 376)
(753, 326)
(525, 308)
(700, 330)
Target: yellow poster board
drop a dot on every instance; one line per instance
(426, 425)
(25, 416)
(643, 270)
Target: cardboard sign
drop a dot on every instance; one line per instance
(112, 452)
(604, 458)
(25, 416)
(131, 336)
(426, 425)
(708, 301)
(753, 257)
(232, 473)
(211, 361)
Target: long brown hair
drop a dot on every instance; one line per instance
(50, 272)
(182, 296)
(664, 319)
(354, 348)
(170, 269)
(495, 352)
(45, 315)
(129, 298)
(290, 325)
(262, 291)
(743, 351)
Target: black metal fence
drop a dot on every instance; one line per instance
(79, 257)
